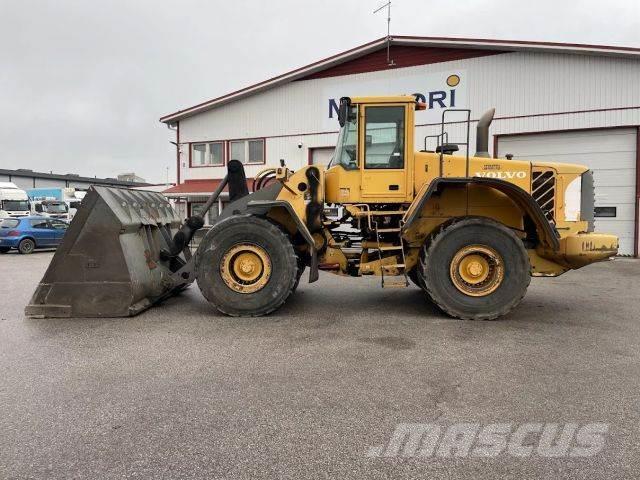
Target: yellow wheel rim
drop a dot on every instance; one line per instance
(477, 270)
(245, 268)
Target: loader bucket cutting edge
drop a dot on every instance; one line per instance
(110, 263)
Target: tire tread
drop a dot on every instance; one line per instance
(431, 245)
(276, 231)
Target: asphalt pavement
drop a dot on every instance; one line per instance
(321, 388)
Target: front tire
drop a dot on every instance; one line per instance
(246, 266)
(26, 246)
(5, 249)
(475, 269)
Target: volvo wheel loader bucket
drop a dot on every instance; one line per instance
(112, 261)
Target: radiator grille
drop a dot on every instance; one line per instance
(543, 190)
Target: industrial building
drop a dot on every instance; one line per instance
(131, 177)
(562, 102)
(28, 179)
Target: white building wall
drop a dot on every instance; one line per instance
(23, 182)
(517, 84)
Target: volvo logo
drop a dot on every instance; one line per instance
(501, 175)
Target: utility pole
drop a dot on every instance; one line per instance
(390, 61)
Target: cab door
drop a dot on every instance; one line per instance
(384, 157)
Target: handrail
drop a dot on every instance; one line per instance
(466, 144)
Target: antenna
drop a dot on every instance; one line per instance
(390, 62)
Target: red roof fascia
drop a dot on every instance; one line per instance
(201, 186)
(402, 56)
(525, 43)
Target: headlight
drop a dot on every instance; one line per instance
(572, 200)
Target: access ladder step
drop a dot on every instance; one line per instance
(390, 247)
(393, 265)
(385, 230)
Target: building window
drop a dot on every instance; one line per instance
(247, 151)
(610, 212)
(207, 154)
(211, 216)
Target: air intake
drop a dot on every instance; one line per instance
(543, 190)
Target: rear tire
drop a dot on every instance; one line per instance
(26, 246)
(475, 269)
(414, 276)
(246, 266)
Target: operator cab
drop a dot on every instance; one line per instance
(373, 159)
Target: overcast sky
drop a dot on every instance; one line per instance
(83, 83)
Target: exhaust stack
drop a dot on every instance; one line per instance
(482, 133)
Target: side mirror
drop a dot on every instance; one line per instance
(343, 111)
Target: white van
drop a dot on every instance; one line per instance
(14, 202)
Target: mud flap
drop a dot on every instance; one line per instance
(113, 259)
(313, 268)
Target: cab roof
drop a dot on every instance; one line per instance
(385, 99)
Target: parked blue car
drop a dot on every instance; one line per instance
(28, 233)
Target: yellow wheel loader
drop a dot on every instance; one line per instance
(470, 231)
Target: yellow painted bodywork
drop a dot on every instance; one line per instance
(358, 188)
(371, 185)
(580, 249)
(291, 194)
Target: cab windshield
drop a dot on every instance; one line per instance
(15, 205)
(55, 207)
(346, 153)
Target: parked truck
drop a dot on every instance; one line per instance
(61, 203)
(14, 201)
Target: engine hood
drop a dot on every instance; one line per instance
(563, 168)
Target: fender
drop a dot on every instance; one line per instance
(547, 233)
(259, 203)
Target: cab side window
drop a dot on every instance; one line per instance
(384, 137)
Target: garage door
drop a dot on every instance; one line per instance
(610, 153)
(321, 155)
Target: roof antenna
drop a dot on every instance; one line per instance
(390, 61)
